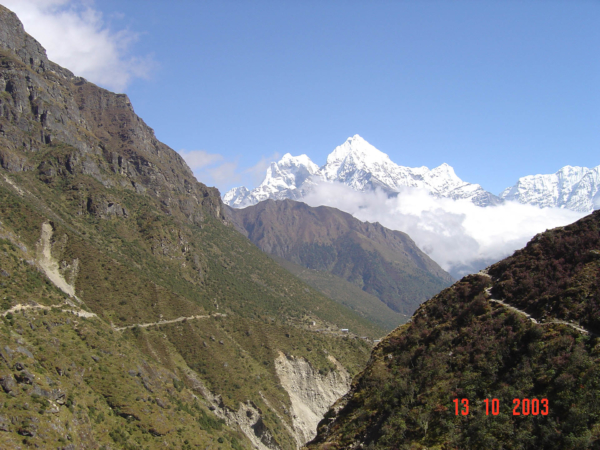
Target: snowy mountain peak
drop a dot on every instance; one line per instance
(283, 180)
(571, 187)
(235, 195)
(445, 171)
(298, 161)
(362, 167)
(358, 150)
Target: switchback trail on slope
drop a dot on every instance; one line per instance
(523, 313)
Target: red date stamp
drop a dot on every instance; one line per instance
(521, 407)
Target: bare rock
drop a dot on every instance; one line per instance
(25, 377)
(8, 383)
(4, 424)
(161, 403)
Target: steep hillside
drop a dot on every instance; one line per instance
(524, 333)
(166, 290)
(348, 294)
(382, 262)
(69, 380)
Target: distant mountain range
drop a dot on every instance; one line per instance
(575, 188)
(361, 166)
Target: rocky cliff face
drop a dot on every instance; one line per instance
(43, 104)
(311, 393)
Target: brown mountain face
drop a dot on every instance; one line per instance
(382, 262)
(93, 130)
(516, 343)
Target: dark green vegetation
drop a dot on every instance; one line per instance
(142, 243)
(384, 263)
(461, 345)
(556, 275)
(348, 294)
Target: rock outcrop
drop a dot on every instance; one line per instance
(42, 103)
(311, 393)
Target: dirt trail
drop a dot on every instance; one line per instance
(164, 322)
(21, 307)
(523, 313)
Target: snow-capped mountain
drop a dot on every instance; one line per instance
(283, 180)
(575, 188)
(359, 165)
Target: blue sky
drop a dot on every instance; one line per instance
(497, 89)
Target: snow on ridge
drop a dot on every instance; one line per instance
(571, 187)
(357, 148)
(359, 165)
(301, 160)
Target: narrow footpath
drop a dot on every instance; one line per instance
(523, 313)
(20, 307)
(164, 322)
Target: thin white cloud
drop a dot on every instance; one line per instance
(458, 235)
(213, 170)
(226, 173)
(257, 171)
(76, 37)
(210, 169)
(198, 159)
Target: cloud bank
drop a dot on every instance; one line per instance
(76, 37)
(461, 237)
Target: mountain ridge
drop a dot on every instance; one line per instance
(382, 262)
(575, 188)
(361, 166)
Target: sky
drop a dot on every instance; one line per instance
(497, 89)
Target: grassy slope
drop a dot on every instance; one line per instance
(77, 381)
(347, 294)
(143, 241)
